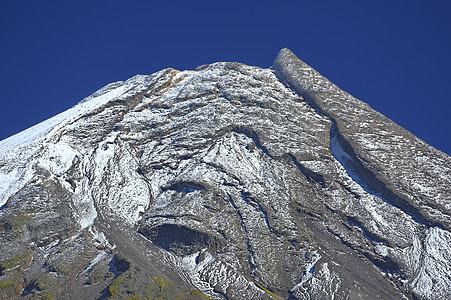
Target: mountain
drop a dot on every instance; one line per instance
(226, 182)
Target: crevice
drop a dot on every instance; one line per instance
(243, 226)
(312, 176)
(341, 239)
(373, 238)
(119, 264)
(343, 152)
(249, 132)
(174, 217)
(250, 259)
(251, 201)
(385, 264)
(224, 171)
(250, 251)
(181, 240)
(265, 215)
(184, 187)
(252, 134)
(220, 294)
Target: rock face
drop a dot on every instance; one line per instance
(229, 181)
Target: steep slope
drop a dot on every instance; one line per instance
(229, 181)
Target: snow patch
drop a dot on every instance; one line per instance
(12, 182)
(39, 130)
(57, 158)
(434, 273)
(308, 273)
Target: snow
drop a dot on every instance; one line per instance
(308, 273)
(221, 129)
(117, 184)
(432, 280)
(57, 158)
(39, 130)
(11, 182)
(194, 269)
(6, 180)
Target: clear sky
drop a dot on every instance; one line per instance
(394, 55)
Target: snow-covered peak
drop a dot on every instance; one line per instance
(239, 181)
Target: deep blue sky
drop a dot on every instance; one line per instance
(394, 55)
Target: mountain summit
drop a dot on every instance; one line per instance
(226, 182)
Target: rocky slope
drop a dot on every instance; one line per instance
(226, 182)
